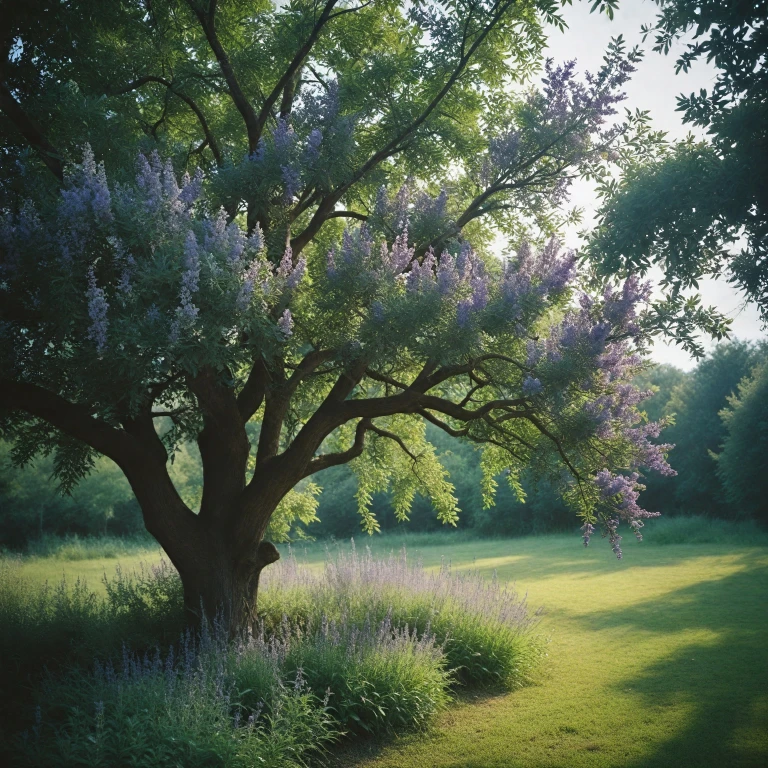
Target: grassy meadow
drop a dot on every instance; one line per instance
(655, 660)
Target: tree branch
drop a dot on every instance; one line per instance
(342, 457)
(138, 83)
(208, 23)
(223, 444)
(396, 438)
(72, 419)
(328, 204)
(293, 68)
(251, 396)
(29, 130)
(347, 215)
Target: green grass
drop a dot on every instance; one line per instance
(655, 660)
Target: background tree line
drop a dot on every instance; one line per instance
(720, 429)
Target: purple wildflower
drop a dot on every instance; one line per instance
(463, 311)
(190, 278)
(283, 136)
(291, 181)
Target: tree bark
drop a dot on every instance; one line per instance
(223, 584)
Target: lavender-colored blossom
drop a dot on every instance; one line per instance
(381, 204)
(191, 189)
(401, 254)
(149, 182)
(190, 278)
(236, 244)
(256, 239)
(464, 261)
(330, 103)
(447, 275)
(286, 263)
(534, 353)
(312, 150)
(463, 312)
(97, 312)
(85, 198)
(614, 538)
(258, 155)
(215, 232)
(531, 386)
(400, 205)
(283, 136)
(291, 181)
(294, 278)
(480, 295)
(243, 300)
(285, 323)
(421, 276)
(587, 530)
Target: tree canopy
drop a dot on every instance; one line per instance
(190, 264)
(700, 208)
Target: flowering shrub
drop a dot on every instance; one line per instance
(483, 627)
(365, 646)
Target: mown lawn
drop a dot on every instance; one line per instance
(660, 659)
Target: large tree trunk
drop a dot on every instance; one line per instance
(222, 584)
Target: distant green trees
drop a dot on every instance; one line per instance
(743, 463)
(699, 432)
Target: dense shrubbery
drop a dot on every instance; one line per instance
(363, 647)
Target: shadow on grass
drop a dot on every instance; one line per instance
(721, 684)
(353, 752)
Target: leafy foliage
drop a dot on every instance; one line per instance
(699, 208)
(741, 464)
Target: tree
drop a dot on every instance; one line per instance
(741, 464)
(699, 208)
(230, 302)
(698, 431)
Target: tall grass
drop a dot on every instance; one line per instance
(483, 627)
(364, 646)
(75, 547)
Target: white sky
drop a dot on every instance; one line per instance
(654, 87)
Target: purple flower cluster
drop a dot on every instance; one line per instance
(531, 386)
(587, 530)
(285, 323)
(97, 312)
(190, 278)
(620, 494)
(533, 276)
